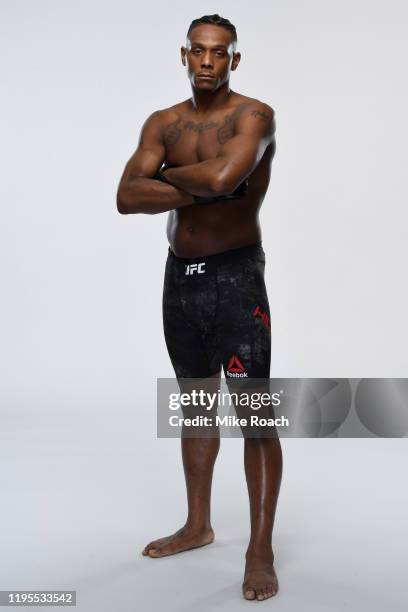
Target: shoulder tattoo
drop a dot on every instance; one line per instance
(227, 130)
(172, 131)
(263, 116)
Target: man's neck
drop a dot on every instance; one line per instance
(207, 101)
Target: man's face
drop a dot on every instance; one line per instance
(209, 51)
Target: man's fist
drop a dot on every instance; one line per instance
(160, 174)
(239, 192)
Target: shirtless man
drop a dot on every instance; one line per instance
(217, 148)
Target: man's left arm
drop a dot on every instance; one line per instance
(254, 130)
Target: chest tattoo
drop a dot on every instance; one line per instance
(224, 130)
(200, 127)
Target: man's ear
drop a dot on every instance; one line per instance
(235, 60)
(183, 55)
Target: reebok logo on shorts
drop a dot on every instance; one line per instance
(263, 316)
(235, 369)
(195, 268)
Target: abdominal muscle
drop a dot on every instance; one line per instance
(205, 229)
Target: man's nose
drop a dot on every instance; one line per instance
(206, 60)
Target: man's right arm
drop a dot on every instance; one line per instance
(138, 191)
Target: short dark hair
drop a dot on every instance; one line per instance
(214, 20)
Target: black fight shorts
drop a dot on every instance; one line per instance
(216, 313)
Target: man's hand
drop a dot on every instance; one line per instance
(239, 192)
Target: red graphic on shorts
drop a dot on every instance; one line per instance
(235, 365)
(263, 316)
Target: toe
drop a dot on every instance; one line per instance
(146, 549)
(154, 544)
(166, 549)
(162, 551)
(260, 594)
(148, 546)
(268, 593)
(249, 592)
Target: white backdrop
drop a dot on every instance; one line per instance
(82, 285)
(81, 292)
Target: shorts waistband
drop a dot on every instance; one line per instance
(224, 256)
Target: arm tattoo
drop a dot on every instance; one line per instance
(262, 115)
(227, 130)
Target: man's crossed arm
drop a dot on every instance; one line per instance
(139, 192)
(237, 158)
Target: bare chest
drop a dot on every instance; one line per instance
(189, 140)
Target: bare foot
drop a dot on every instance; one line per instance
(260, 580)
(184, 539)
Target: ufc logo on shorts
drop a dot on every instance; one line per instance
(195, 268)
